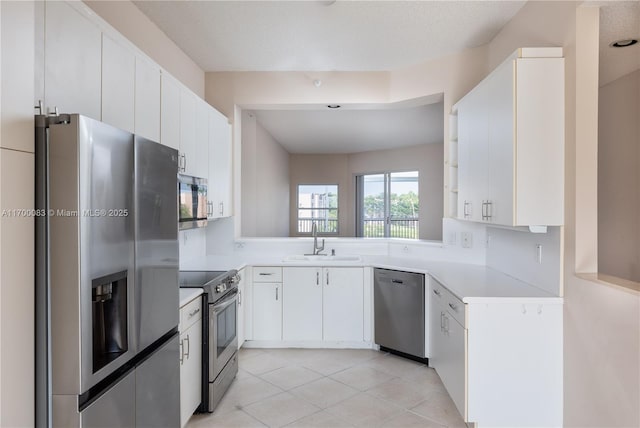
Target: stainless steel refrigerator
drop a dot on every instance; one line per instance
(106, 277)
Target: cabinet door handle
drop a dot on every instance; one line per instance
(240, 298)
(465, 211)
(182, 352)
(276, 293)
(221, 208)
(188, 346)
(185, 162)
(441, 321)
(195, 311)
(317, 278)
(454, 307)
(446, 324)
(265, 274)
(489, 210)
(437, 292)
(327, 277)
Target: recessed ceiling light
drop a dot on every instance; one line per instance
(333, 106)
(624, 43)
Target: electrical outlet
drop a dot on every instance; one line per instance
(466, 239)
(405, 249)
(239, 245)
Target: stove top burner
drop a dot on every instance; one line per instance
(198, 279)
(216, 284)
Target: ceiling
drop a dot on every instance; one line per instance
(341, 130)
(325, 35)
(618, 20)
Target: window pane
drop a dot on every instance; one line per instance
(390, 205)
(318, 196)
(404, 205)
(318, 204)
(373, 206)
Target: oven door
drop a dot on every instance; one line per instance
(223, 333)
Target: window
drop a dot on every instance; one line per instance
(388, 205)
(318, 203)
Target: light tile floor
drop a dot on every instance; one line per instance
(331, 388)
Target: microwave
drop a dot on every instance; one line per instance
(192, 202)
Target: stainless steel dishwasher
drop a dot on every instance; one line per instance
(399, 304)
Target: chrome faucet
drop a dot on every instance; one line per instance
(314, 232)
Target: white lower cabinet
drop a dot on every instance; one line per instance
(448, 343)
(319, 304)
(267, 311)
(500, 360)
(343, 304)
(190, 358)
(302, 303)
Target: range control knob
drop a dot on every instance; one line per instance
(221, 288)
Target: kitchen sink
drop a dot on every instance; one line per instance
(323, 258)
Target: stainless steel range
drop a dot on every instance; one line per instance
(220, 331)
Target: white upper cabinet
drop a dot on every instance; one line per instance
(201, 143)
(147, 100)
(220, 164)
(194, 134)
(169, 111)
(188, 131)
(72, 60)
(473, 146)
(17, 27)
(511, 143)
(118, 85)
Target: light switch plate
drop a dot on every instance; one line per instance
(466, 239)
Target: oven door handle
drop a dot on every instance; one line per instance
(219, 306)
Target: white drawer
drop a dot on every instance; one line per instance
(454, 306)
(190, 313)
(267, 274)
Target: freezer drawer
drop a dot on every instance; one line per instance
(114, 409)
(158, 388)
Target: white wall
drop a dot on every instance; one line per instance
(265, 182)
(341, 169)
(619, 177)
(16, 232)
(321, 169)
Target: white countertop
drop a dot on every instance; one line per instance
(470, 283)
(188, 294)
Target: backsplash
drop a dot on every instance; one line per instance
(193, 246)
(512, 252)
(516, 254)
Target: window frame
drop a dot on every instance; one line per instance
(359, 203)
